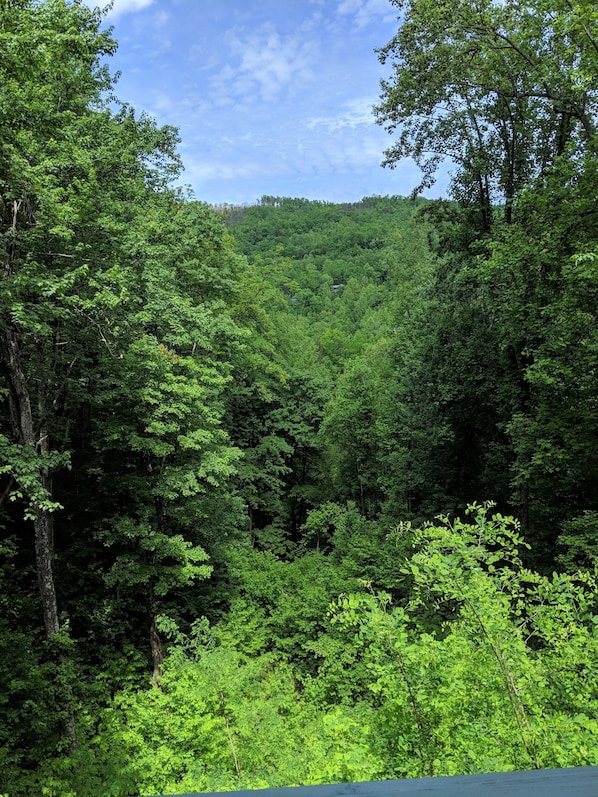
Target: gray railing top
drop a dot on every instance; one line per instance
(575, 781)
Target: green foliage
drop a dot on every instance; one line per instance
(490, 687)
(280, 604)
(218, 722)
(494, 87)
(337, 259)
(167, 401)
(499, 404)
(115, 340)
(539, 283)
(23, 465)
(351, 430)
(579, 542)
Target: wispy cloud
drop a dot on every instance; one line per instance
(365, 12)
(202, 170)
(357, 112)
(264, 64)
(328, 153)
(123, 6)
(270, 98)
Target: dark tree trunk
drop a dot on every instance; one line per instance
(25, 433)
(44, 560)
(155, 644)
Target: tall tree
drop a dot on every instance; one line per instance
(500, 89)
(44, 165)
(160, 446)
(507, 91)
(71, 173)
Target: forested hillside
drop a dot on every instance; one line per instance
(300, 492)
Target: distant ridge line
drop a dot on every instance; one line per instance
(278, 201)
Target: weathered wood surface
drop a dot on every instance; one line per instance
(576, 781)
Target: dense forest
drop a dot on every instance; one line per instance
(300, 492)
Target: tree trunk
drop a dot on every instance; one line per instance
(44, 560)
(155, 646)
(23, 429)
(24, 432)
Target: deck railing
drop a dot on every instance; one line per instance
(570, 782)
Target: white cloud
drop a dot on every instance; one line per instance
(266, 64)
(199, 170)
(358, 112)
(366, 11)
(353, 152)
(124, 6)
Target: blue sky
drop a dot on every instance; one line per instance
(270, 96)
